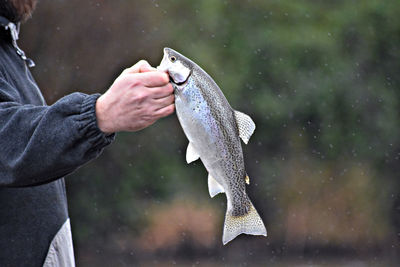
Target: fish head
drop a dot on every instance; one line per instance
(176, 65)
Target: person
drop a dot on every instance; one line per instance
(40, 144)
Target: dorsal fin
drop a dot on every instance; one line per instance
(246, 126)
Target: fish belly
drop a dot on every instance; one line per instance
(204, 133)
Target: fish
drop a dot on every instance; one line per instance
(214, 130)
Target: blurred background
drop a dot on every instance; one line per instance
(321, 80)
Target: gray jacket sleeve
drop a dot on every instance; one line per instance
(39, 144)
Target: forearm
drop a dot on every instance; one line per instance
(43, 143)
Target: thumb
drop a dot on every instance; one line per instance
(141, 66)
(147, 68)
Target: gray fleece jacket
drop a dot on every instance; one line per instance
(39, 145)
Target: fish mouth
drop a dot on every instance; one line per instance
(171, 78)
(176, 71)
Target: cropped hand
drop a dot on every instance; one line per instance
(137, 98)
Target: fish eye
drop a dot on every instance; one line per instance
(172, 58)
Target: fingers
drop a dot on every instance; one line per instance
(163, 102)
(153, 78)
(161, 92)
(165, 111)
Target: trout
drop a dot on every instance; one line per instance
(214, 131)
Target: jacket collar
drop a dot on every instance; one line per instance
(14, 32)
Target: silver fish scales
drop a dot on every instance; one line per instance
(214, 131)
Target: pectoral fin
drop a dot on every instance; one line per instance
(191, 154)
(214, 188)
(246, 126)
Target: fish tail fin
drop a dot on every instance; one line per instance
(250, 223)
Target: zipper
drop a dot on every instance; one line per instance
(14, 31)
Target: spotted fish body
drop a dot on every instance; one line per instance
(214, 130)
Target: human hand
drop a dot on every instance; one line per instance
(137, 98)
